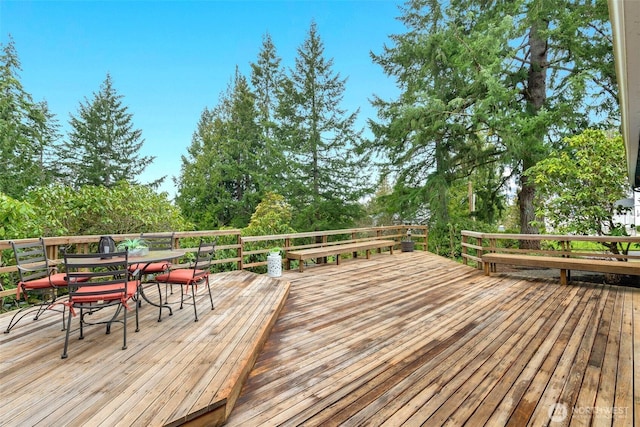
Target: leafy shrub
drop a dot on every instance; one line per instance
(89, 210)
(18, 219)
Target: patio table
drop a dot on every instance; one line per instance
(147, 259)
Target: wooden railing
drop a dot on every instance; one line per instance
(259, 245)
(233, 250)
(475, 244)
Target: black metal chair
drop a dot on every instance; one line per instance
(155, 242)
(196, 274)
(95, 282)
(37, 279)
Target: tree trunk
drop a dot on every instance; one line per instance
(527, 214)
(536, 96)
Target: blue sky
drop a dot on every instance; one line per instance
(171, 59)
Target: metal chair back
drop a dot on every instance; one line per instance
(96, 275)
(95, 282)
(31, 260)
(159, 242)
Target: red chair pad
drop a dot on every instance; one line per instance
(180, 276)
(150, 268)
(57, 279)
(132, 288)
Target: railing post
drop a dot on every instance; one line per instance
(353, 239)
(240, 252)
(287, 261)
(426, 238)
(465, 239)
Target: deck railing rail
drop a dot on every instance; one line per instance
(233, 250)
(475, 244)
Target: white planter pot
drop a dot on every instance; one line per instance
(139, 252)
(274, 265)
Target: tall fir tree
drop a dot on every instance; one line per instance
(495, 82)
(103, 147)
(267, 75)
(28, 130)
(221, 180)
(324, 181)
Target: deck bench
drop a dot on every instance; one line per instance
(338, 249)
(565, 265)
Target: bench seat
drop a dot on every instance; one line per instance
(338, 249)
(565, 265)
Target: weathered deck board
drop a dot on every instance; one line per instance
(171, 372)
(417, 339)
(408, 339)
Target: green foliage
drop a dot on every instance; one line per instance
(486, 90)
(268, 80)
(580, 183)
(103, 147)
(131, 244)
(272, 216)
(123, 209)
(377, 211)
(446, 240)
(27, 131)
(221, 181)
(18, 220)
(324, 175)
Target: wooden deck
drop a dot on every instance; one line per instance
(406, 339)
(415, 339)
(172, 372)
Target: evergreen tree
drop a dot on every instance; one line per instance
(103, 146)
(221, 181)
(324, 182)
(485, 82)
(267, 76)
(27, 131)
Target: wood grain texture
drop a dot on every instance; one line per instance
(173, 372)
(416, 339)
(403, 339)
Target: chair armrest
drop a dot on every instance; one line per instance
(52, 269)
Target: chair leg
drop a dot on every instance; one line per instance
(160, 300)
(64, 309)
(124, 324)
(13, 322)
(81, 325)
(24, 311)
(193, 296)
(114, 317)
(137, 320)
(66, 338)
(209, 289)
(40, 310)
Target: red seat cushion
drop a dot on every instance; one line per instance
(57, 279)
(180, 276)
(132, 288)
(150, 268)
